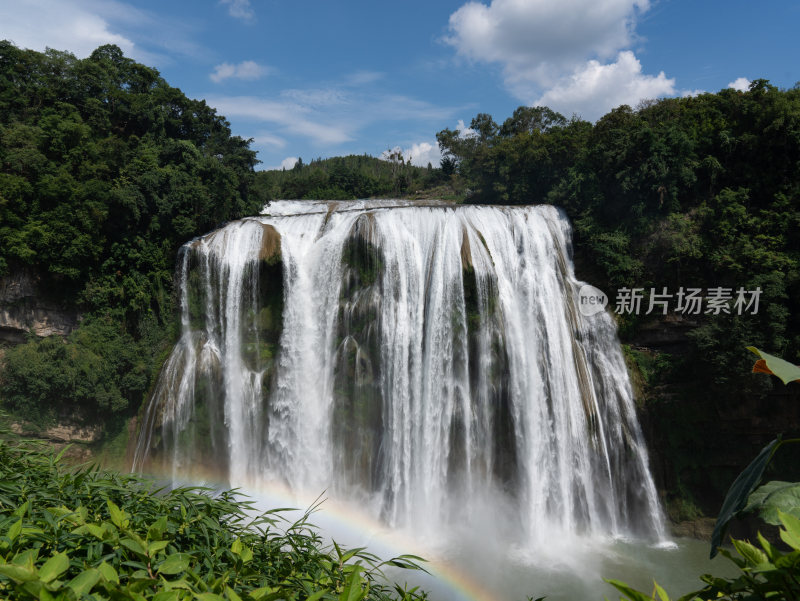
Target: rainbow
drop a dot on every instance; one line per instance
(332, 515)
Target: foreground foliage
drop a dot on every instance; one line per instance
(85, 534)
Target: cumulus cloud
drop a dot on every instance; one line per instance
(464, 131)
(571, 55)
(419, 154)
(740, 83)
(80, 26)
(244, 70)
(67, 25)
(538, 40)
(692, 93)
(288, 162)
(596, 88)
(240, 9)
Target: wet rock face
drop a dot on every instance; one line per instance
(24, 307)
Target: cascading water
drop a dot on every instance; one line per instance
(417, 359)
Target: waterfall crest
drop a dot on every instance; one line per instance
(413, 358)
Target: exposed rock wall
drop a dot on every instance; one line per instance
(25, 307)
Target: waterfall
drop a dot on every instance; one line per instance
(414, 358)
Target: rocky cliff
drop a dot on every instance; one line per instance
(26, 307)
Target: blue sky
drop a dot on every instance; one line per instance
(321, 78)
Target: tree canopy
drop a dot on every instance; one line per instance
(105, 170)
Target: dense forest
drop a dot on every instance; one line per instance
(105, 170)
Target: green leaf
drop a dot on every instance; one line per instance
(156, 546)
(751, 554)
(236, 547)
(233, 596)
(773, 496)
(626, 590)
(157, 528)
(18, 573)
(118, 517)
(740, 490)
(108, 572)
(209, 597)
(93, 529)
(791, 533)
(166, 596)
(175, 563)
(134, 546)
(786, 371)
(352, 589)
(54, 567)
(22, 509)
(265, 592)
(317, 595)
(14, 530)
(769, 549)
(658, 590)
(84, 582)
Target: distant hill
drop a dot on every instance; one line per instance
(356, 176)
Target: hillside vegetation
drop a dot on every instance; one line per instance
(105, 170)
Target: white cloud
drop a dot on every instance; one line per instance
(570, 55)
(692, 93)
(291, 117)
(64, 25)
(741, 83)
(80, 26)
(268, 139)
(239, 9)
(244, 70)
(464, 131)
(538, 40)
(316, 98)
(360, 78)
(596, 88)
(288, 163)
(328, 116)
(420, 154)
